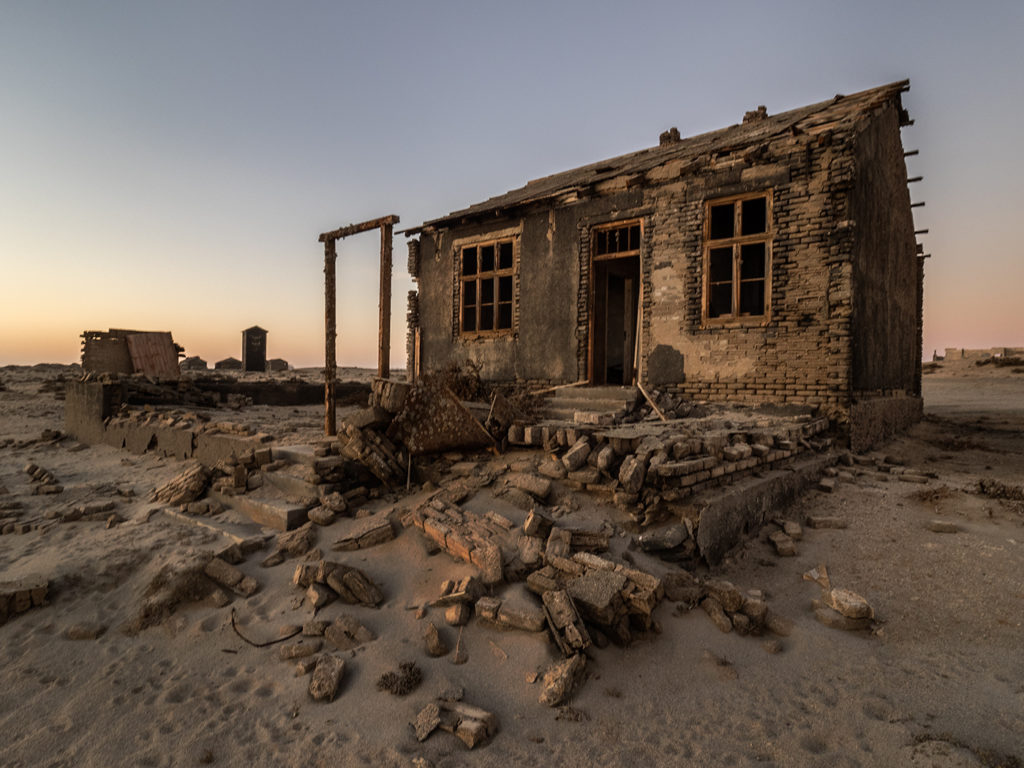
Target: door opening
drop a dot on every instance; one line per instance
(614, 318)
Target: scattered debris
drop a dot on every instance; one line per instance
(187, 486)
(838, 608)
(327, 676)
(346, 633)
(18, 596)
(435, 644)
(561, 679)
(365, 532)
(402, 682)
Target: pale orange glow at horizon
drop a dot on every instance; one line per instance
(162, 171)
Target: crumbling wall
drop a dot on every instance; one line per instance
(548, 341)
(106, 352)
(874, 420)
(796, 353)
(885, 285)
(842, 267)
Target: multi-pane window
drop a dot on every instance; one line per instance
(737, 257)
(616, 240)
(486, 282)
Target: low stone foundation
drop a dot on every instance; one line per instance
(876, 419)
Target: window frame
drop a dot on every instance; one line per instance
(494, 240)
(736, 243)
(611, 226)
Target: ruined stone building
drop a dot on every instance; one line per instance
(773, 261)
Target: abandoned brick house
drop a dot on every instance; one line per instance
(774, 261)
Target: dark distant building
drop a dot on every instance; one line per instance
(254, 349)
(228, 364)
(193, 364)
(277, 365)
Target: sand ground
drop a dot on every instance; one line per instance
(941, 683)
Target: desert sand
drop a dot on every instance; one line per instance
(939, 682)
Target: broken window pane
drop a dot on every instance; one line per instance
(722, 221)
(469, 293)
(487, 317)
(487, 258)
(720, 265)
(469, 261)
(601, 247)
(754, 216)
(505, 315)
(752, 261)
(634, 237)
(505, 288)
(752, 297)
(721, 300)
(487, 291)
(505, 255)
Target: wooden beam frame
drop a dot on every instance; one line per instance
(329, 239)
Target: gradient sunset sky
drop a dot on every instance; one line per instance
(169, 165)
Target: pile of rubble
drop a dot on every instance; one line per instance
(18, 596)
(43, 480)
(653, 462)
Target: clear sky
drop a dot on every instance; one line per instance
(169, 165)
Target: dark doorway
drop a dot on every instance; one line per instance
(614, 320)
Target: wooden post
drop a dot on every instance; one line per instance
(384, 346)
(330, 323)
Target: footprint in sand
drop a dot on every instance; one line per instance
(877, 710)
(178, 694)
(813, 744)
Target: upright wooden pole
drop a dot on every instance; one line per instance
(331, 333)
(384, 346)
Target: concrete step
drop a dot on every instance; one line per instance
(239, 533)
(268, 510)
(594, 398)
(590, 405)
(622, 394)
(294, 486)
(296, 454)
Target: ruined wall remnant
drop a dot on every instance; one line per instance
(152, 353)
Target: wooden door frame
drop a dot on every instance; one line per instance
(592, 290)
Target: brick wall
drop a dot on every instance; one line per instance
(801, 354)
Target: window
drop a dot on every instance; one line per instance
(737, 257)
(486, 287)
(617, 240)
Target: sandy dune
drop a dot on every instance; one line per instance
(941, 683)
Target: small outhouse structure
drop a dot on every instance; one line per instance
(254, 349)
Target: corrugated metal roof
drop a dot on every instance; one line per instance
(154, 354)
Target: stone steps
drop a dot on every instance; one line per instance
(590, 405)
(266, 509)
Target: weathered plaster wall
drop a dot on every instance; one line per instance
(545, 344)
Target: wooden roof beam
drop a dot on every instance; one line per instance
(355, 229)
